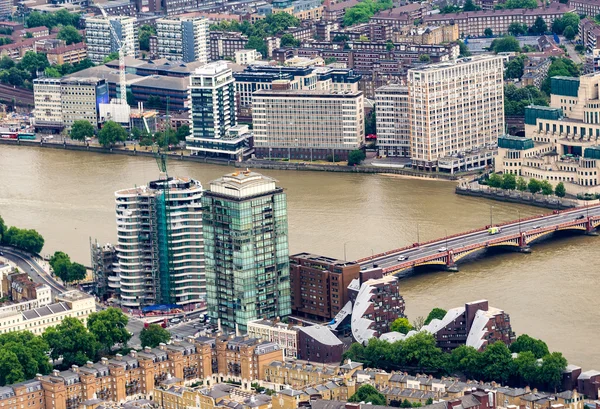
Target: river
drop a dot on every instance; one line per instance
(551, 293)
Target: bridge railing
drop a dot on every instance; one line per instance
(480, 230)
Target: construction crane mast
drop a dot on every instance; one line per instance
(122, 49)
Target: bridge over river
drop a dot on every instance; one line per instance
(518, 235)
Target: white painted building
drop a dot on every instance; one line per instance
(286, 336)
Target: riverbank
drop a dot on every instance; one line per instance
(548, 202)
(253, 163)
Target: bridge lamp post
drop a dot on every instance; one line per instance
(418, 235)
(491, 216)
(518, 211)
(446, 231)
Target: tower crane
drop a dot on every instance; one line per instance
(122, 49)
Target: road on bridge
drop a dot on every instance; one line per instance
(444, 245)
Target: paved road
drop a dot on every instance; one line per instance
(417, 253)
(32, 266)
(574, 55)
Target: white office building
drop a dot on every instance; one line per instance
(183, 39)
(393, 123)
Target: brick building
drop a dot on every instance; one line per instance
(398, 17)
(319, 285)
(316, 343)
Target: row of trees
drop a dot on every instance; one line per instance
(111, 133)
(273, 24)
(516, 99)
(419, 353)
(24, 239)
(363, 11)
(23, 355)
(511, 182)
(567, 25)
(560, 67)
(66, 270)
(51, 20)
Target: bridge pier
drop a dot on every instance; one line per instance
(453, 268)
(524, 249)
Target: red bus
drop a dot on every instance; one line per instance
(9, 135)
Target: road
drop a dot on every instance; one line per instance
(574, 55)
(31, 266)
(480, 237)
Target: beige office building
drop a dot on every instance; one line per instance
(393, 122)
(307, 125)
(456, 109)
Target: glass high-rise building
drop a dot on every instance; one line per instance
(244, 221)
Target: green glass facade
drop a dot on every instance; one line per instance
(246, 257)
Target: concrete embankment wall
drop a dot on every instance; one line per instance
(255, 164)
(532, 201)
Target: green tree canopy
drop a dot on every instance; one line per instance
(368, 393)
(488, 32)
(110, 57)
(2, 229)
(516, 29)
(11, 370)
(505, 44)
(496, 361)
(435, 314)
(526, 343)
(560, 67)
(465, 360)
(551, 370)
(424, 58)
(154, 335)
(82, 129)
(24, 239)
(109, 328)
(30, 351)
(70, 35)
(509, 181)
(464, 50)
(495, 180)
(518, 4)
(560, 190)
(356, 157)
(546, 188)
(71, 340)
(567, 20)
(33, 63)
(516, 99)
(363, 11)
(470, 6)
(288, 40)
(111, 133)
(521, 184)
(534, 186)
(401, 325)
(539, 26)
(182, 132)
(146, 30)
(514, 68)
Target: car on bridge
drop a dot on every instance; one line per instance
(442, 249)
(402, 258)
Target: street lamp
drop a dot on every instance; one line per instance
(418, 236)
(519, 212)
(446, 231)
(491, 216)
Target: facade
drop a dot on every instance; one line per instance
(70, 54)
(103, 259)
(401, 16)
(246, 236)
(100, 41)
(284, 335)
(375, 302)
(224, 44)
(535, 70)
(319, 285)
(393, 120)
(48, 104)
(316, 343)
(6, 8)
(474, 23)
(80, 99)
(183, 39)
(213, 114)
(146, 375)
(246, 57)
(160, 250)
(307, 124)
(427, 34)
(589, 8)
(455, 108)
(219, 396)
(589, 33)
(560, 143)
(74, 304)
(22, 294)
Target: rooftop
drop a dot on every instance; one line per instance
(321, 334)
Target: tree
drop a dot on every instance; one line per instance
(76, 272)
(145, 32)
(52, 72)
(33, 63)
(495, 362)
(539, 26)
(560, 67)
(371, 123)
(288, 40)
(521, 184)
(470, 6)
(488, 32)
(518, 4)
(435, 314)
(534, 186)
(509, 181)
(6, 63)
(109, 328)
(110, 133)
(464, 50)
(401, 325)
(505, 44)
(424, 58)
(514, 68)
(355, 157)
(560, 190)
(420, 351)
(418, 323)
(368, 393)
(465, 359)
(154, 335)
(550, 373)
(525, 368)
(546, 188)
(11, 370)
(2, 229)
(110, 57)
(182, 132)
(389, 45)
(70, 35)
(30, 351)
(71, 340)
(131, 99)
(569, 33)
(495, 180)
(60, 263)
(516, 29)
(82, 129)
(525, 343)
(28, 240)
(330, 60)
(258, 44)
(154, 101)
